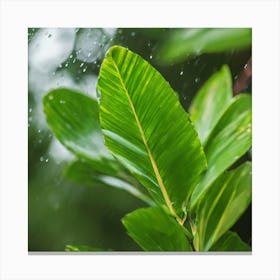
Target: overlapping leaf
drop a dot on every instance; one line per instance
(230, 242)
(222, 205)
(229, 140)
(146, 128)
(154, 230)
(83, 172)
(211, 101)
(74, 119)
(195, 41)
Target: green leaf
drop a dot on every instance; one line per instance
(147, 129)
(211, 101)
(154, 230)
(83, 248)
(194, 41)
(230, 242)
(222, 205)
(229, 140)
(83, 172)
(74, 120)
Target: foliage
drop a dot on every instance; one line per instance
(181, 162)
(195, 41)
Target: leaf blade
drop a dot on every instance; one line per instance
(229, 140)
(211, 101)
(222, 205)
(74, 120)
(83, 172)
(194, 41)
(230, 242)
(136, 136)
(154, 230)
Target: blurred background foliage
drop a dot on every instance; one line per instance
(62, 212)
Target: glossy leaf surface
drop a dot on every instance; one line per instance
(230, 242)
(194, 41)
(229, 140)
(83, 172)
(154, 230)
(74, 119)
(210, 102)
(222, 205)
(146, 128)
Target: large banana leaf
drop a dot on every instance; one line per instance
(222, 205)
(146, 128)
(83, 172)
(229, 140)
(195, 41)
(230, 242)
(211, 101)
(154, 230)
(74, 120)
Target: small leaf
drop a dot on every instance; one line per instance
(211, 101)
(194, 41)
(83, 172)
(74, 119)
(230, 242)
(147, 129)
(229, 140)
(83, 248)
(222, 205)
(154, 230)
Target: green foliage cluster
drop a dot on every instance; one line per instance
(139, 138)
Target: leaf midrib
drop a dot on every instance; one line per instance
(154, 165)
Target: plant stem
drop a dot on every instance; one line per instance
(244, 78)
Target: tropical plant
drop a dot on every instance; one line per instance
(137, 137)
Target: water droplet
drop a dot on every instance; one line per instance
(151, 56)
(82, 64)
(39, 130)
(50, 35)
(245, 66)
(84, 70)
(30, 110)
(66, 65)
(41, 159)
(60, 66)
(62, 101)
(71, 55)
(50, 97)
(181, 73)
(196, 80)
(47, 160)
(133, 34)
(89, 54)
